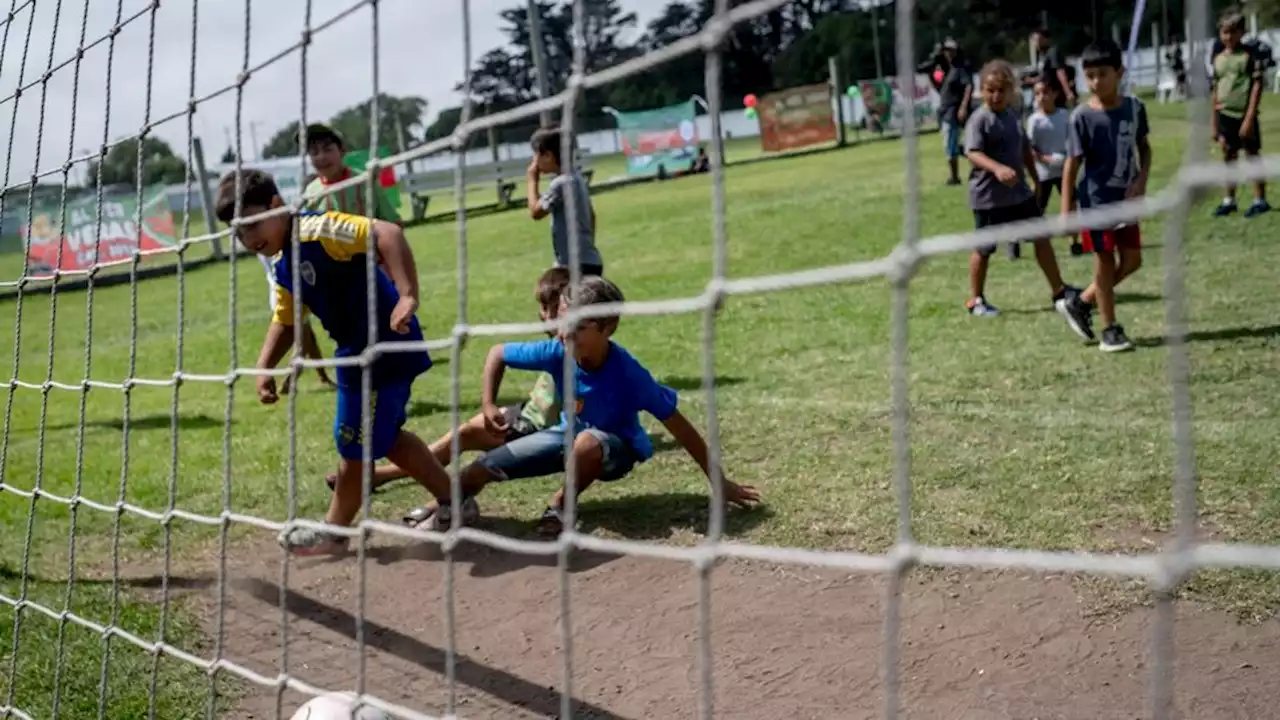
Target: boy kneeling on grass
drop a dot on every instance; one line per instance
(611, 388)
(539, 411)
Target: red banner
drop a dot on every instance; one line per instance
(796, 117)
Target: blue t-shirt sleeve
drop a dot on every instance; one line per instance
(652, 396)
(1076, 134)
(545, 355)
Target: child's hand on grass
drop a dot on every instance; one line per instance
(1007, 176)
(267, 390)
(740, 495)
(402, 313)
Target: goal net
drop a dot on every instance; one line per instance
(49, 58)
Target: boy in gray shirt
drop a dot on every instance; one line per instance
(999, 193)
(555, 202)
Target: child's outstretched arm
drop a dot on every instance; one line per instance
(397, 258)
(274, 346)
(691, 440)
(983, 161)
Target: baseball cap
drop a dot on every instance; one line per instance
(319, 132)
(950, 44)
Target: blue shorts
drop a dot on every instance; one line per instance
(388, 402)
(952, 134)
(542, 453)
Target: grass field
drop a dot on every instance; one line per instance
(1021, 436)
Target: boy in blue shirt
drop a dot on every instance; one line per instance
(333, 248)
(1108, 137)
(611, 389)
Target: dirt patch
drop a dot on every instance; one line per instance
(788, 641)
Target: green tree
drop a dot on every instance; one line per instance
(120, 166)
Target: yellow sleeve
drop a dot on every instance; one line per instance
(284, 307)
(341, 235)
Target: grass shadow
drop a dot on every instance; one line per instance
(1121, 299)
(427, 408)
(686, 383)
(1223, 334)
(146, 422)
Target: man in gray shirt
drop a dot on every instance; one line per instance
(556, 203)
(998, 190)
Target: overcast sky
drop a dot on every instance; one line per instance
(420, 53)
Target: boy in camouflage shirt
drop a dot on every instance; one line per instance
(539, 411)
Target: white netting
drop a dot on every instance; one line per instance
(1163, 570)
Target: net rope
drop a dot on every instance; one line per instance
(1162, 570)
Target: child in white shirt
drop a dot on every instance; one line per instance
(1047, 135)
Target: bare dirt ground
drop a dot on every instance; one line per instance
(790, 642)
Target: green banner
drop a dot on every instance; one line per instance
(82, 240)
(666, 137)
(387, 183)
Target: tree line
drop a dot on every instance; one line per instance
(786, 47)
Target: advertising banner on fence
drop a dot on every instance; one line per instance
(81, 236)
(796, 117)
(388, 186)
(665, 136)
(886, 105)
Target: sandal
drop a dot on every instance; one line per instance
(551, 524)
(439, 516)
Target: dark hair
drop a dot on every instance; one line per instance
(551, 286)
(1102, 53)
(549, 140)
(595, 290)
(1232, 20)
(257, 189)
(319, 133)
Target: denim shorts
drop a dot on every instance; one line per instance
(542, 453)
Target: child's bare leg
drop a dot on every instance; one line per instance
(472, 435)
(1048, 263)
(410, 455)
(1259, 187)
(1102, 291)
(347, 496)
(588, 465)
(311, 351)
(978, 264)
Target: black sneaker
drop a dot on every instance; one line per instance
(1258, 207)
(1114, 340)
(1014, 250)
(1078, 314)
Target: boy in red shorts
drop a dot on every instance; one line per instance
(1108, 137)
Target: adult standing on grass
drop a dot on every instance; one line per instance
(1053, 68)
(954, 96)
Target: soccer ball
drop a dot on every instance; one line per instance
(337, 706)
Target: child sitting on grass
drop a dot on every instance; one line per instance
(611, 389)
(998, 191)
(539, 411)
(547, 154)
(333, 249)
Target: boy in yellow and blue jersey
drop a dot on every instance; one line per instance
(332, 268)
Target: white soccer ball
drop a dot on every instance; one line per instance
(337, 706)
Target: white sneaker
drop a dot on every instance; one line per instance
(306, 542)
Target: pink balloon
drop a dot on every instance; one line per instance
(749, 101)
(938, 76)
